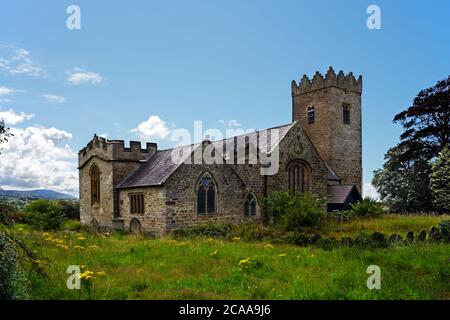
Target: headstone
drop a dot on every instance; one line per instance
(410, 236)
(422, 236)
(135, 226)
(94, 225)
(433, 233)
(395, 238)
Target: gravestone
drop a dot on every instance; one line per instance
(395, 238)
(410, 236)
(135, 226)
(422, 236)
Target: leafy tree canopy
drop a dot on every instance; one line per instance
(426, 123)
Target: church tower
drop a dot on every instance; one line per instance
(329, 110)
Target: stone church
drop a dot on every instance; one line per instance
(135, 189)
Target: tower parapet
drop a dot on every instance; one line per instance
(341, 80)
(115, 150)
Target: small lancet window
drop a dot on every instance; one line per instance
(346, 113)
(137, 203)
(297, 177)
(250, 206)
(310, 115)
(95, 185)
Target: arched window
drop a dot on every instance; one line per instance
(298, 177)
(95, 185)
(206, 195)
(346, 113)
(250, 205)
(310, 115)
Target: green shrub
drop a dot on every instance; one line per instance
(44, 214)
(13, 281)
(367, 207)
(70, 208)
(294, 211)
(251, 231)
(341, 215)
(444, 230)
(6, 210)
(215, 230)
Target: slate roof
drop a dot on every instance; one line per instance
(159, 167)
(338, 194)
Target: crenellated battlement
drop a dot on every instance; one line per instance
(115, 150)
(341, 80)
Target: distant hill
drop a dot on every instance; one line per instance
(34, 194)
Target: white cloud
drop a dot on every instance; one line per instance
(78, 76)
(53, 98)
(38, 158)
(12, 118)
(5, 100)
(18, 61)
(153, 127)
(370, 191)
(4, 91)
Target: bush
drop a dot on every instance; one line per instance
(294, 211)
(44, 214)
(215, 230)
(6, 210)
(367, 207)
(444, 230)
(251, 231)
(13, 282)
(71, 209)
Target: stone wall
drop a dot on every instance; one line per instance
(181, 198)
(153, 219)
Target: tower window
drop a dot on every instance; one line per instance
(310, 115)
(297, 177)
(95, 185)
(206, 195)
(346, 113)
(137, 203)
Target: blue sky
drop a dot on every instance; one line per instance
(200, 60)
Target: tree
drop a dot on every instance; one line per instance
(404, 184)
(440, 181)
(4, 132)
(44, 214)
(426, 123)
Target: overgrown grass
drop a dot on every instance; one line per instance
(139, 268)
(388, 224)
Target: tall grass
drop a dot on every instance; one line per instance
(138, 268)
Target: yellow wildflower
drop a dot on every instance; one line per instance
(282, 255)
(93, 247)
(268, 246)
(81, 238)
(213, 253)
(236, 239)
(86, 275)
(244, 261)
(78, 247)
(101, 273)
(139, 270)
